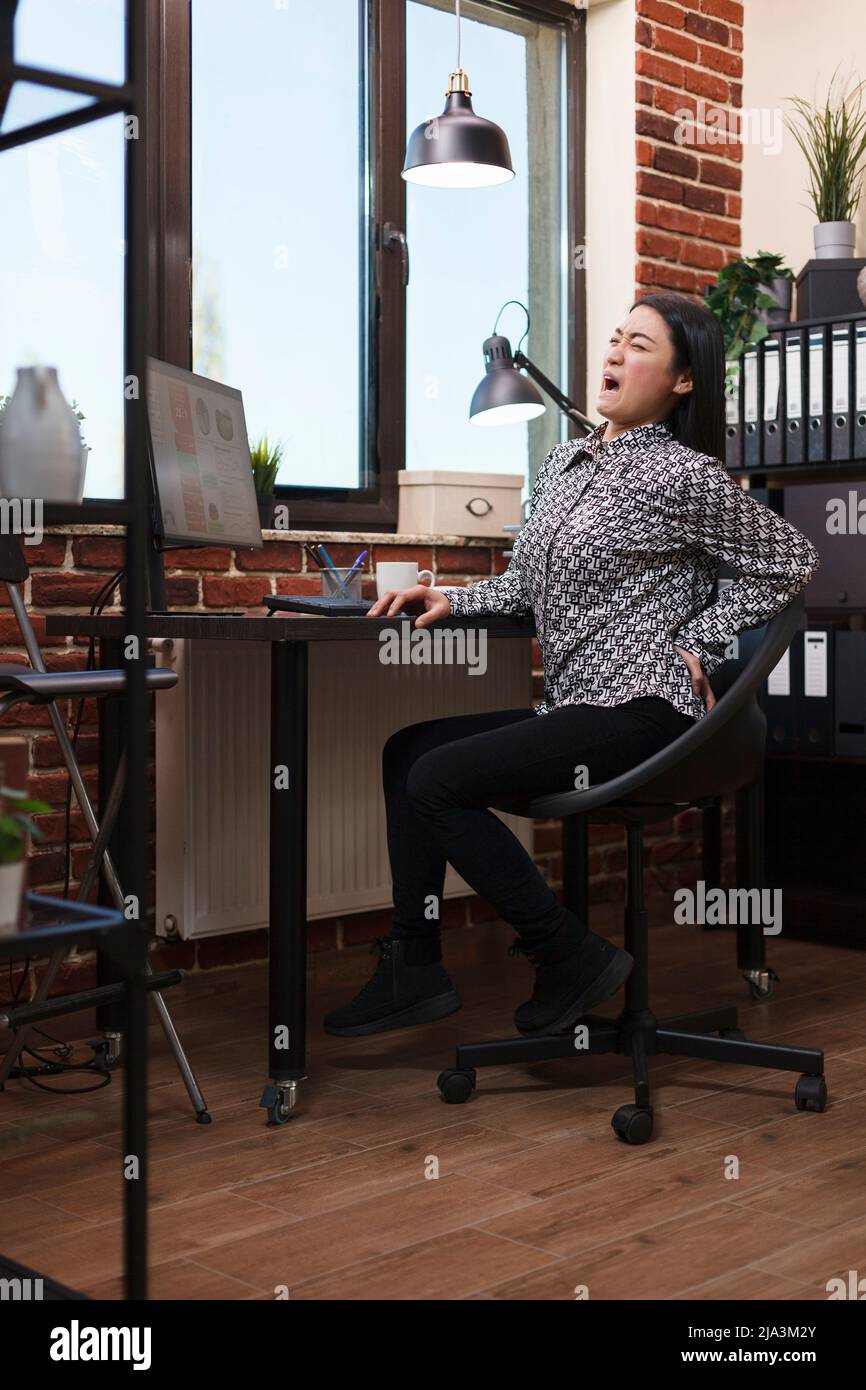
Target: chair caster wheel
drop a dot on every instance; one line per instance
(456, 1085)
(632, 1124)
(736, 1033)
(810, 1093)
(761, 982)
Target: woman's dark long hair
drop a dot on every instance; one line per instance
(698, 419)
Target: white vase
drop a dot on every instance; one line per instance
(41, 455)
(11, 891)
(833, 240)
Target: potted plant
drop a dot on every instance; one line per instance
(749, 295)
(42, 448)
(76, 410)
(16, 830)
(833, 140)
(265, 459)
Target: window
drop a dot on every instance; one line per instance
(276, 132)
(473, 250)
(61, 254)
(278, 225)
(357, 375)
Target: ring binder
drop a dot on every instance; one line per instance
(733, 413)
(751, 428)
(816, 703)
(817, 394)
(771, 417)
(779, 700)
(793, 413)
(860, 393)
(840, 415)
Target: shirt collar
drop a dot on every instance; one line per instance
(642, 435)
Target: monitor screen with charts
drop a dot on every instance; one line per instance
(201, 459)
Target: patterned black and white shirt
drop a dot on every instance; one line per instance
(618, 562)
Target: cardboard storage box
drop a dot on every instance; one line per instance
(441, 503)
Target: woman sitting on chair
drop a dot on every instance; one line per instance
(617, 564)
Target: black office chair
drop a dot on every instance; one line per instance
(36, 686)
(722, 754)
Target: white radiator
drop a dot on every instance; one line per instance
(212, 773)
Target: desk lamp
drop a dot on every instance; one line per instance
(505, 396)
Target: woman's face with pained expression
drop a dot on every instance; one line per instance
(640, 383)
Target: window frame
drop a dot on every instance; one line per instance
(169, 174)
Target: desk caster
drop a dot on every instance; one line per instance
(279, 1099)
(761, 982)
(107, 1051)
(633, 1124)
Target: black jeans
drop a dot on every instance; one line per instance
(440, 777)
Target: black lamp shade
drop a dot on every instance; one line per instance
(458, 149)
(504, 396)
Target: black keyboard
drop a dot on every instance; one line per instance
(324, 604)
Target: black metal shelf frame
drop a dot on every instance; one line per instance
(128, 98)
(792, 440)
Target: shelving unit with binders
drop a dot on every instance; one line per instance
(797, 406)
(796, 419)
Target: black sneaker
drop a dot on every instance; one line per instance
(398, 994)
(570, 979)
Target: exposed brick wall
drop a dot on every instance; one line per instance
(69, 568)
(688, 193)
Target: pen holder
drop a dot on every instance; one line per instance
(333, 585)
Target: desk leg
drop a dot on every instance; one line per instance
(287, 959)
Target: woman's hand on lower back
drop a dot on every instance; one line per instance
(700, 680)
(432, 603)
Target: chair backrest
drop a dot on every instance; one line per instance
(724, 749)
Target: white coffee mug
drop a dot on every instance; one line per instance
(392, 575)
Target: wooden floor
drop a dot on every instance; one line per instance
(534, 1198)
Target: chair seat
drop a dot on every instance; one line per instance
(689, 771)
(44, 686)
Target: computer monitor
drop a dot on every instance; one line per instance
(200, 457)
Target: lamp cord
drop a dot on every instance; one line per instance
(520, 305)
(458, 33)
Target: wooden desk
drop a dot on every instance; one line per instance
(290, 636)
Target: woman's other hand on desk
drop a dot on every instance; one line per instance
(432, 603)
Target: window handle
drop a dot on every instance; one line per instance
(391, 237)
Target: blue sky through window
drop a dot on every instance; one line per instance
(469, 250)
(276, 230)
